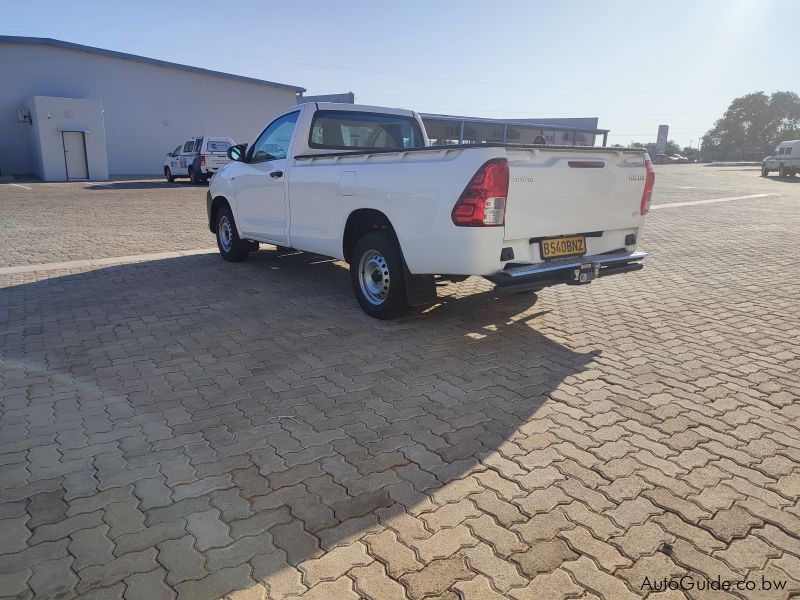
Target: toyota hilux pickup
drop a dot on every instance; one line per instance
(364, 185)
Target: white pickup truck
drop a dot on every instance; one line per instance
(786, 160)
(363, 184)
(198, 159)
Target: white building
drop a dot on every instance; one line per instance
(94, 112)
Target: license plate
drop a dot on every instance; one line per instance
(565, 246)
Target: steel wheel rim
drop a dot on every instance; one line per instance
(373, 277)
(225, 233)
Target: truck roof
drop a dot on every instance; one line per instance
(362, 108)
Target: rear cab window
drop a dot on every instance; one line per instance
(217, 146)
(351, 130)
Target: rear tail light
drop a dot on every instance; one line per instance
(483, 201)
(202, 160)
(649, 182)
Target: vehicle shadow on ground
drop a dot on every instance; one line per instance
(316, 423)
(140, 185)
(783, 179)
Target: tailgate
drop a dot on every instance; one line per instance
(562, 191)
(216, 161)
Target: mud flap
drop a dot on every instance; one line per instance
(420, 289)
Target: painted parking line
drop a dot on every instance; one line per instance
(710, 201)
(102, 262)
(22, 186)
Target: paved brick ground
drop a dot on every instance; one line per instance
(195, 428)
(55, 222)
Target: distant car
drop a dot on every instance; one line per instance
(198, 159)
(786, 160)
(677, 159)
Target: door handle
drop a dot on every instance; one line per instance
(276, 174)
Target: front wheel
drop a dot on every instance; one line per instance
(764, 171)
(168, 174)
(230, 246)
(376, 272)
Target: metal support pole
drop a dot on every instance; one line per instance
(461, 134)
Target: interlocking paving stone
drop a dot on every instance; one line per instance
(181, 560)
(503, 574)
(14, 534)
(543, 557)
(148, 586)
(373, 582)
(334, 564)
(117, 570)
(295, 541)
(91, 547)
(436, 577)
(217, 584)
(647, 423)
(208, 529)
(277, 575)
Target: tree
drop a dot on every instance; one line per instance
(752, 125)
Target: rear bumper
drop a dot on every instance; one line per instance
(574, 271)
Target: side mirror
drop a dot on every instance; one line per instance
(237, 152)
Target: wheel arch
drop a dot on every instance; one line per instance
(360, 222)
(420, 289)
(213, 208)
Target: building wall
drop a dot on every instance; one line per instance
(50, 118)
(148, 110)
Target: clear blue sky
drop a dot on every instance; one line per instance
(634, 64)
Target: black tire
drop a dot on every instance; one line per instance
(764, 171)
(782, 172)
(193, 177)
(376, 272)
(231, 247)
(168, 174)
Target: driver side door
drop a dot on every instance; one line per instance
(261, 192)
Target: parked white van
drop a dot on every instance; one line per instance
(786, 160)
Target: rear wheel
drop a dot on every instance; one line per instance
(193, 176)
(230, 246)
(376, 272)
(782, 172)
(168, 174)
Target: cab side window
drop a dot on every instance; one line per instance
(188, 147)
(273, 143)
(176, 151)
